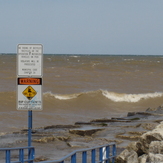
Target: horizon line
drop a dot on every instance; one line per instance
(85, 54)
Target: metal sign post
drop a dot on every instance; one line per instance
(29, 127)
(29, 81)
(29, 133)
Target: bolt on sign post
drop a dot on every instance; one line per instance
(29, 80)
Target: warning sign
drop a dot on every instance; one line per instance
(29, 81)
(29, 76)
(29, 92)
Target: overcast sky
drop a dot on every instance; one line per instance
(83, 26)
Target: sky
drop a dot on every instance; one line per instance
(83, 26)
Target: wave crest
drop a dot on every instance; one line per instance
(117, 97)
(113, 96)
(62, 97)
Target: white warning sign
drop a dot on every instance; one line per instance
(29, 94)
(29, 58)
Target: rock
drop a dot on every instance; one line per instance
(84, 132)
(126, 118)
(131, 137)
(51, 138)
(138, 125)
(60, 126)
(156, 147)
(147, 138)
(155, 158)
(26, 130)
(77, 145)
(131, 114)
(122, 157)
(143, 158)
(138, 113)
(133, 157)
(63, 138)
(151, 110)
(149, 148)
(132, 146)
(117, 141)
(2, 133)
(158, 121)
(45, 139)
(127, 156)
(41, 158)
(160, 126)
(149, 126)
(144, 113)
(110, 120)
(137, 132)
(158, 110)
(83, 123)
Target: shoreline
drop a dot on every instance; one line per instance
(59, 140)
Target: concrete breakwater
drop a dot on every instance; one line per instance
(131, 134)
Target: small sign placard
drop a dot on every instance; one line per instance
(29, 57)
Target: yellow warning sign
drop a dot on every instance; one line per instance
(29, 92)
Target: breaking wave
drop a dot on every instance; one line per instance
(62, 97)
(113, 96)
(117, 97)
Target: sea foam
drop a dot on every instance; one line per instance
(118, 97)
(62, 97)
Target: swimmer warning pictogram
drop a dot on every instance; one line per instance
(29, 92)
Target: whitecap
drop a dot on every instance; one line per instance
(117, 97)
(62, 97)
(49, 59)
(65, 97)
(75, 56)
(128, 59)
